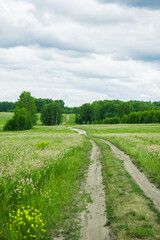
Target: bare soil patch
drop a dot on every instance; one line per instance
(94, 219)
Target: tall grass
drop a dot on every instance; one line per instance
(144, 150)
(40, 178)
(128, 212)
(141, 142)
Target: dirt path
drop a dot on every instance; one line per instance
(93, 222)
(67, 119)
(94, 218)
(148, 188)
(80, 131)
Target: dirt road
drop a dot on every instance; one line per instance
(93, 223)
(67, 119)
(94, 218)
(147, 187)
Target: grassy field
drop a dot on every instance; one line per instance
(130, 214)
(141, 142)
(4, 116)
(42, 171)
(40, 178)
(71, 121)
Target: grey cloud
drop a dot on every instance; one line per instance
(79, 51)
(136, 3)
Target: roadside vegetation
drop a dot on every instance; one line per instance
(71, 121)
(141, 142)
(40, 178)
(130, 214)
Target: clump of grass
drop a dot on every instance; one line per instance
(42, 145)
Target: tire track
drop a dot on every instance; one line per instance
(141, 180)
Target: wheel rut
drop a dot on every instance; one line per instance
(141, 180)
(93, 223)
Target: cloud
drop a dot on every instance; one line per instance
(79, 51)
(136, 3)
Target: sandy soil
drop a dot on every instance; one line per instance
(148, 188)
(93, 223)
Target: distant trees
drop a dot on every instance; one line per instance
(152, 116)
(51, 114)
(24, 114)
(116, 111)
(7, 106)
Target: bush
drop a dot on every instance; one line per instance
(114, 120)
(20, 121)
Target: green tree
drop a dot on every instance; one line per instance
(51, 114)
(85, 113)
(20, 121)
(27, 101)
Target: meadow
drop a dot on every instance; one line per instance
(43, 170)
(40, 181)
(141, 142)
(131, 215)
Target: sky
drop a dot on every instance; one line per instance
(80, 51)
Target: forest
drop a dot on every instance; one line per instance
(106, 111)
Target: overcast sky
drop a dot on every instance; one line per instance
(80, 50)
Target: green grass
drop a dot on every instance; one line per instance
(4, 117)
(144, 150)
(42, 169)
(141, 142)
(128, 211)
(120, 128)
(71, 121)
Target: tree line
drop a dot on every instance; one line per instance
(6, 106)
(113, 111)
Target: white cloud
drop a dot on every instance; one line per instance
(79, 51)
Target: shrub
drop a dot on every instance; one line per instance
(20, 121)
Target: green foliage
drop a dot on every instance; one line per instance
(152, 116)
(42, 145)
(85, 113)
(51, 114)
(7, 106)
(20, 121)
(28, 102)
(24, 114)
(114, 120)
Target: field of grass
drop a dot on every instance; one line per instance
(141, 142)
(120, 128)
(71, 121)
(4, 117)
(130, 214)
(40, 178)
(43, 169)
